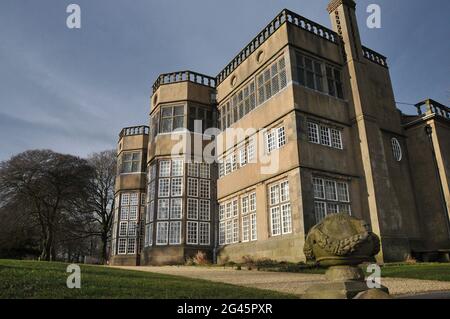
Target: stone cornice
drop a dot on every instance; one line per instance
(334, 4)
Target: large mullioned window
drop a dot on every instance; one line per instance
(310, 73)
(275, 139)
(280, 209)
(128, 215)
(269, 82)
(229, 222)
(248, 213)
(325, 135)
(130, 162)
(172, 118)
(198, 204)
(169, 204)
(330, 197)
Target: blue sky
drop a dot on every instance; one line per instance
(73, 90)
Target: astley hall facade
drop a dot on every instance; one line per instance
(326, 105)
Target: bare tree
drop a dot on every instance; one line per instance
(101, 196)
(49, 188)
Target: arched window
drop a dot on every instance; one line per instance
(396, 149)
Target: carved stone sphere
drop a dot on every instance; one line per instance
(340, 239)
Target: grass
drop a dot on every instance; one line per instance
(32, 279)
(425, 271)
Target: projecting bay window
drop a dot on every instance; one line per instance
(330, 197)
(130, 162)
(280, 209)
(325, 135)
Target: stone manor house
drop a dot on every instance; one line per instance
(326, 106)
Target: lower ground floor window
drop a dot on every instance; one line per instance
(162, 232)
(249, 231)
(131, 247)
(221, 233)
(122, 246)
(175, 233)
(322, 209)
(204, 233)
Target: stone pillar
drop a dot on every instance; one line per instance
(343, 18)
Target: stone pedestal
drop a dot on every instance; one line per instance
(343, 282)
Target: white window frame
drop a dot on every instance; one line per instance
(164, 187)
(192, 211)
(164, 168)
(189, 231)
(204, 186)
(122, 243)
(163, 204)
(175, 229)
(313, 133)
(396, 149)
(192, 186)
(162, 233)
(177, 187)
(176, 203)
(177, 168)
(204, 232)
(205, 210)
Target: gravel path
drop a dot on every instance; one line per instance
(293, 283)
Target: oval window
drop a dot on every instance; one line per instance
(396, 149)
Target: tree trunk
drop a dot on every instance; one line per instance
(104, 247)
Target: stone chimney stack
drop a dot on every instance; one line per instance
(343, 19)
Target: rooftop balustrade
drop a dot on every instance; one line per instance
(135, 130)
(374, 56)
(183, 76)
(283, 17)
(430, 106)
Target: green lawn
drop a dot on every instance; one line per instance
(31, 279)
(425, 271)
(428, 271)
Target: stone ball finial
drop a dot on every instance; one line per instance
(340, 239)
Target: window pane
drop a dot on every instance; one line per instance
(167, 112)
(166, 125)
(178, 110)
(178, 122)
